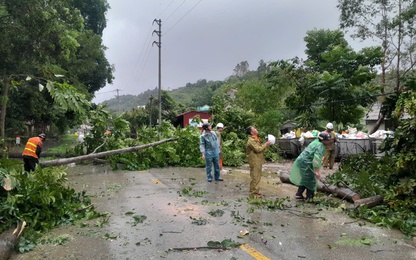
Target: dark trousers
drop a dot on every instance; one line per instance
(309, 193)
(30, 163)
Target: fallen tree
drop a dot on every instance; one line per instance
(19, 155)
(342, 193)
(64, 161)
(369, 202)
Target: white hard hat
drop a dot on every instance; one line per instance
(220, 125)
(271, 138)
(329, 126)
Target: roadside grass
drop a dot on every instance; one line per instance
(66, 143)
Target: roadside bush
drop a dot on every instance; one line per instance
(370, 176)
(42, 200)
(366, 174)
(233, 150)
(182, 152)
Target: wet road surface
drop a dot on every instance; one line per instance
(157, 210)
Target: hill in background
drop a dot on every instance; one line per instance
(192, 95)
(183, 95)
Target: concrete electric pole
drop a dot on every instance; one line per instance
(159, 44)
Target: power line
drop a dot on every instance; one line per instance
(145, 51)
(182, 17)
(165, 9)
(174, 11)
(143, 57)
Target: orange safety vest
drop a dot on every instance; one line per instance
(31, 145)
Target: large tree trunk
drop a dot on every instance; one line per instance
(369, 202)
(3, 107)
(342, 193)
(380, 120)
(102, 154)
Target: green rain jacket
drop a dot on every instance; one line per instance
(303, 170)
(254, 151)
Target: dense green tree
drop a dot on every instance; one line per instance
(148, 115)
(264, 100)
(93, 12)
(402, 146)
(295, 76)
(319, 42)
(89, 69)
(35, 35)
(344, 76)
(334, 79)
(137, 117)
(43, 42)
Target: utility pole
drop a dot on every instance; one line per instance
(150, 110)
(159, 44)
(118, 101)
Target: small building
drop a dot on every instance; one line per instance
(203, 108)
(188, 118)
(372, 116)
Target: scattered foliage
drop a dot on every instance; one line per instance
(58, 240)
(139, 218)
(271, 205)
(227, 243)
(216, 213)
(199, 222)
(188, 192)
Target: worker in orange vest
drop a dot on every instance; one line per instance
(32, 152)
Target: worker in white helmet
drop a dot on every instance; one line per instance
(329, 157)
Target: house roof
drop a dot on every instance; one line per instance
(288, 125)
(373, 113)
(193, 111)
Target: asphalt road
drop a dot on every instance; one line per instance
(173, 213)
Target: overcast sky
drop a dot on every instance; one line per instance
(204, 39)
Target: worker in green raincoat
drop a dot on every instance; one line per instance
(254, 151)
(305, 170)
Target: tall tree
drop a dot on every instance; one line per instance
(42, 39)
(93, 12)
(334, 79)
(318, 42)
(392, 24)
(241, 69)
(389, 22)
(294, 74)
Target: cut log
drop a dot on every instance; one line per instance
(7, 184)
(369, 202)
(9, 239)
(64, 161)
(342, 193)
